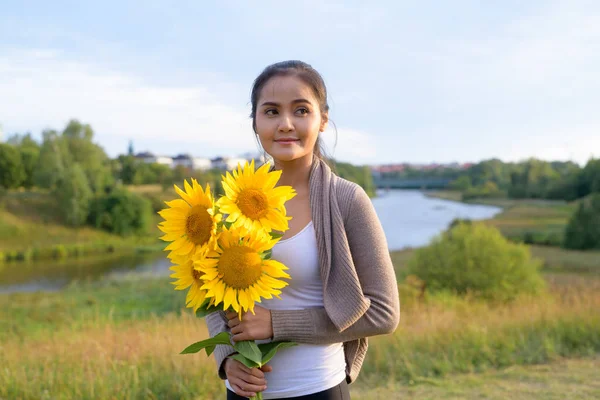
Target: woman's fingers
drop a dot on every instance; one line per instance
(240, 336)
(236, 329)
(241, 392)
(266, 368)
(247, 386)
(231, 314)
(233, 322)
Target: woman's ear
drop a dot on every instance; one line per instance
(324, 122)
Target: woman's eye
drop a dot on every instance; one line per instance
(271, 111)
(302, 111)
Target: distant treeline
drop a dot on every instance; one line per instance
(90, 187)
(532, 179)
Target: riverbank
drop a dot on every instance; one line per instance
(30, 230)
(528, 220)
(127, 334)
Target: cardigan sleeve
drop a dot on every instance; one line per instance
(375, 271)
(217, 323)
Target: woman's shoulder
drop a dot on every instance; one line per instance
(350, 195)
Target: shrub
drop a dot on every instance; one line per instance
(121, 212)
(60, 252)
(583, 230)
(477, 259)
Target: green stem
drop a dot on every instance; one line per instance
(257, 397)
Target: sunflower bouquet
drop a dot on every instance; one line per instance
(221, 250)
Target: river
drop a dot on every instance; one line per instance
(409, 219)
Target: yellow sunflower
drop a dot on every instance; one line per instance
(188, 277)
(236, 273)
(190, 224)
(252, 200)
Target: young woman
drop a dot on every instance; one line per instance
(343, 287)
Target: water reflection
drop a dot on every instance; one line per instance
(55, 275)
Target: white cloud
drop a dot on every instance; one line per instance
(42, 90)
(352, 145)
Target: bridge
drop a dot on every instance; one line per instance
(415, 183)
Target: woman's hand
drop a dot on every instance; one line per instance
(255, 326)
(244, 381)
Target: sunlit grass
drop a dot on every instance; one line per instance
(122, 339)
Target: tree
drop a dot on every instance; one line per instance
(74, 194)
(12, 173)
(23, 141)
(462, 183)
(50, 167)
(76, 140)
(29, 158)
(128, 168)
(583, 230)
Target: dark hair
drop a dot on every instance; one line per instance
(308, 75)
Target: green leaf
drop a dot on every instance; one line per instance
(250, 350)
(275, 235)
(204, 309)
(269, 350)
(208, 344)
(266, 255)
(248, 363)
(227, 224)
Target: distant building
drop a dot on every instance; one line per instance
(227, 163)
(150, 158)
(194, 163)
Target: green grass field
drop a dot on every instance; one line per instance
(121, 339)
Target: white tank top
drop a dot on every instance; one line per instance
(305, 368)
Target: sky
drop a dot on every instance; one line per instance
(408, 81)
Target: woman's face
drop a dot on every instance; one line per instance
(288, 119)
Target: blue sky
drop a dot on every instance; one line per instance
(409, 81)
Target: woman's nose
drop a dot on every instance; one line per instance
(285, 124)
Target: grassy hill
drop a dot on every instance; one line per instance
(30, 220)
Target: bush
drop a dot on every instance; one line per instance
(488, 190)
(540, 238)
(121, 212)
(477, 259)
(60, 252)
(583, 230)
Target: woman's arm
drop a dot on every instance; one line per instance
(375, 271)
(217, 323)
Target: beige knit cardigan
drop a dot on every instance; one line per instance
(360, 292)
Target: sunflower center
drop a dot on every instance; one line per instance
(253, 203)
(196, 274)
(240, 267)
(198, 225)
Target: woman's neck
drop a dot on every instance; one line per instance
(295, 173)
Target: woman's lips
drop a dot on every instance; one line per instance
(286, 141)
